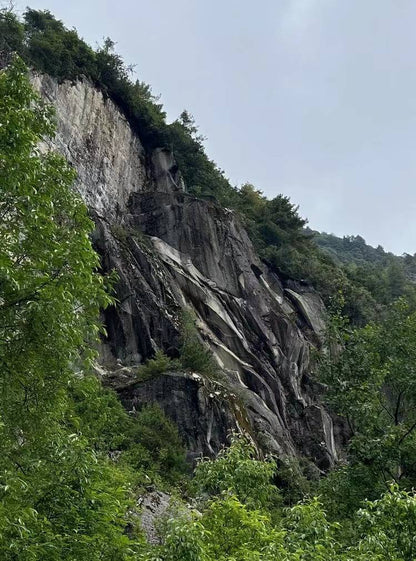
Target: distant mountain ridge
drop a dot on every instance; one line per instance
(354, 251)
(350, 249)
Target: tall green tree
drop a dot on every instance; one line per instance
(59, 499)
(371, 381)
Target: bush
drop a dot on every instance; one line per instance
(154, 433)
(155, 366)
(147, 443)
(237, 470)
(193, 354)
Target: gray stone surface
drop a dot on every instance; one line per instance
(173, 251)
(153, 506)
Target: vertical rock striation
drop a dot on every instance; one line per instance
(173, 251)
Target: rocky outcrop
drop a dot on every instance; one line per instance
(98, 141)
(153, 506)
(203, 409)
(173, 251)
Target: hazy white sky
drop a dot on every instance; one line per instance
(315, 99)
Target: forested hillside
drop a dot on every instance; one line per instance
(274, 225)
(351, 249)
(75, 466)
(385, 275)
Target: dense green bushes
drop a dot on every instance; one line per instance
(233, 523)
(238, 469)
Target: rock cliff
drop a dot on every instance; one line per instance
(173, 251)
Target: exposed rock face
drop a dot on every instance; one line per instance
(153, 505)
(173, 251)
(203, 410)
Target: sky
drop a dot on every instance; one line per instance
(315, 99)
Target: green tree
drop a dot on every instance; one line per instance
(50, 293)
(59, 498)
(194, 355)
(238, 532)
(371, 381)
(239, 471)
(387, 527)
(310, 536)
(11, 34)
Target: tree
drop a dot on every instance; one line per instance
(238, 471)
(387, 527)
(11, 34)
(372, 383)
(59, 498)
(50, 292)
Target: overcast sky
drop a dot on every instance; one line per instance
(315, 99)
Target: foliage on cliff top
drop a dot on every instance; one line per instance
(275, 226)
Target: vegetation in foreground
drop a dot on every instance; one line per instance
(62, 497)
